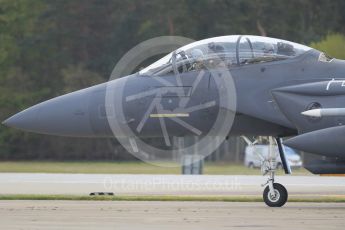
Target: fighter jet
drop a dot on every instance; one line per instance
(222, 86)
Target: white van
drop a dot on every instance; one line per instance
(252, 160)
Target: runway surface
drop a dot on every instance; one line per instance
(83, 184)
(121, 215)
(104, 215)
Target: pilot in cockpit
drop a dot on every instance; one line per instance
(197, 55)
(268, 48)
(215, 48)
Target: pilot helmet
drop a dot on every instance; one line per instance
(197, 54)
(268, 48)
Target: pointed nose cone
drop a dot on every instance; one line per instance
(67, 115)
(23, 120)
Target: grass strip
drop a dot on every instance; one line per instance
(126, 168)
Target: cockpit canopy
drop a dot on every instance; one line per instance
(226, 52)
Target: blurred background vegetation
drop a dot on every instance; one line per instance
(50, 47)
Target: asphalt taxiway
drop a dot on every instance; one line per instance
(123, 215)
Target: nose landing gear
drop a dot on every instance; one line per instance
(275, 194)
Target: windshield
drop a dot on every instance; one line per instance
(226, 51)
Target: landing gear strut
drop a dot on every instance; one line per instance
(275, 194)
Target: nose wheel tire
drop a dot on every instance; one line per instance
(276, 199)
